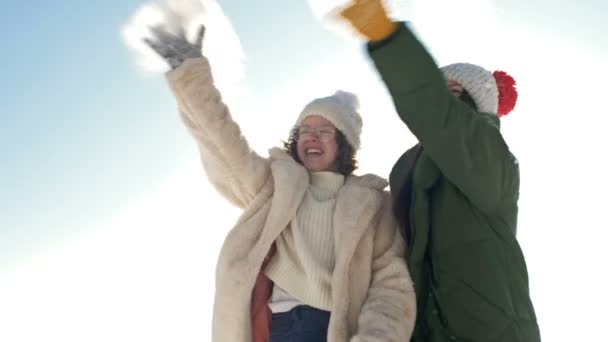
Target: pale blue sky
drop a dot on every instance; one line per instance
(82, 134)
(85, 135)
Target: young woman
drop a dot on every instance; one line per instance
(316, 254)
(455, 192)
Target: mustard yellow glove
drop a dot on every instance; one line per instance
(369, 17)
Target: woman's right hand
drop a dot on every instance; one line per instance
(175, 48)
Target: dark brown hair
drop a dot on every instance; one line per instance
(346, 161)
(466, 98)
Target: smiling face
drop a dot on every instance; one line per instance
(317, 146)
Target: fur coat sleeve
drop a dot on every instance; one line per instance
(235, 170)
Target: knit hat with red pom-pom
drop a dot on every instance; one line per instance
(492, 92)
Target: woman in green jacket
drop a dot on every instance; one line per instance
(455, 192)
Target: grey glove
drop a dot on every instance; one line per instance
(175, 49)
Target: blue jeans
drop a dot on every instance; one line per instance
(300, 324)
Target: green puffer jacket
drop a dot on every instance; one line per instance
(459, 190)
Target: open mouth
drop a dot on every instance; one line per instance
(313, 152)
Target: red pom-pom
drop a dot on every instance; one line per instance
(507, 93)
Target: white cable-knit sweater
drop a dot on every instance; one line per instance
(304, 261)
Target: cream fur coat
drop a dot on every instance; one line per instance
(373, 296)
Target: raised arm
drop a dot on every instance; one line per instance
(233, 168)
(466, 146)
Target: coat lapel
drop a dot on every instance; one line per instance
(357, 203)
(290, 183)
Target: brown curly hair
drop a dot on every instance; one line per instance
(346, 161)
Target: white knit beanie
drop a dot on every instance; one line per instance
(478, 82)
(492, 92)
(341, 109)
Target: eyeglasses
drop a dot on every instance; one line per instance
(322, 133)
